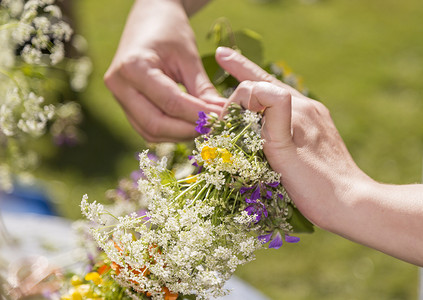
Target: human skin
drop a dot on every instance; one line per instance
(318, 172)
(157, 51)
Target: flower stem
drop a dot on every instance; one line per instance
(8, 25)
(188, 189)
(198, 195)
(235, 139)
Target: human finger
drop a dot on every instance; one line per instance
(146, 76)
(276, 104)
(197, 83)
(243, 69)
(149, 120)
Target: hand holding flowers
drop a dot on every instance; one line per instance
(303, 144)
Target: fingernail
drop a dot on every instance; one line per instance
(225, 52)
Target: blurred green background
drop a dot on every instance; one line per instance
(363, 59)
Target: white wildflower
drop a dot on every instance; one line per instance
(57, 53)
(222, 253)
(7, 121)
(217, 179)
(93, 211)
(61, 31)
(31, 55)
(41, 24)
(22, 33)
(253, 142)
(251, 117)
(80, 70)
(54, 11)
(15, 6)
(244, 218)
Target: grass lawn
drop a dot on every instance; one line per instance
(363, 59)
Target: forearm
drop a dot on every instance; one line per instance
(388, 218)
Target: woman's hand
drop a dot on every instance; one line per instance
(156, 52)
(318, 172)
(302, 142)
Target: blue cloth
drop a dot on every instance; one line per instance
(26, 199)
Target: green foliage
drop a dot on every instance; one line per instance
(300, 223)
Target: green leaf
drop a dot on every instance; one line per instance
(248, 42)
(213, 70)
(299, 223)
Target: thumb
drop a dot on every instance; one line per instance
(244, 69)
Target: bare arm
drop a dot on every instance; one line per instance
(386, 217)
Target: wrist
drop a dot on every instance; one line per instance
(345, 209)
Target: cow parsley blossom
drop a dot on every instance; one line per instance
(32, 40)
(197, 230)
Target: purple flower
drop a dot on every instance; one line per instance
(121, 193)
(143, 213)
(256, 208)
(192, 157)
(137, 175)
(276, 242)
(244, 189)
(195, 164)
(150, 155)
(291, 239)
(276, 239)
(269, 194)
(265, 238)
(256, 194)
(273, 184)
(202, 123)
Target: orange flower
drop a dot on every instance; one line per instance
(103, 269)
(169, 295)
(115, 268)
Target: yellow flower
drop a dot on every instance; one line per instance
(76, 296)
(225, 155)
(285, 68)
(81, 291)
(76, 280)
(208, 153)
(190, 179)
(94, 277)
